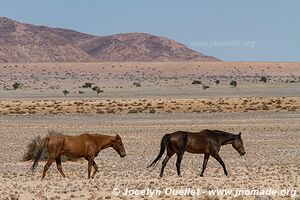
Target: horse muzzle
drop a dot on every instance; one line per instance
(122, 155)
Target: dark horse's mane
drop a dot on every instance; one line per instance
(228, 136)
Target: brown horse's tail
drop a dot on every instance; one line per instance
(37, 157)
(164, 142)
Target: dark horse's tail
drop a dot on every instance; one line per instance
(164, 142)
(37, 157)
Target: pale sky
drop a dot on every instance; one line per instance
(232, 30)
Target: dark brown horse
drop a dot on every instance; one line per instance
(85, 145)
(207, 142)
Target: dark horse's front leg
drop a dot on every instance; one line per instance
(206, 157)
(219, 159)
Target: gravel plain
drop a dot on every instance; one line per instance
(271, 141)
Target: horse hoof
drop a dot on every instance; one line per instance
(201, 175)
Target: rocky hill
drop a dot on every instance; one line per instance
(21, 42)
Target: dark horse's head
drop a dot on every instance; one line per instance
(119, 146)
(238, 144)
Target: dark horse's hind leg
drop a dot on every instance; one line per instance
(47, 165)
(178, 162)
(59, 167)
(170, 153)
(181, 149)
(219, 159)
(206, 157)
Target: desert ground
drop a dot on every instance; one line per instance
(163, 101)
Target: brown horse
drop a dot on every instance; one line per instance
(207, 142)
(85, 145)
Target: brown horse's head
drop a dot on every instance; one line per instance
(119, 147)
(238, 144)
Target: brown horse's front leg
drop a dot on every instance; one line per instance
(90, 164)
(95, 169)
(206, 157)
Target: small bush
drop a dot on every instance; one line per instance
(97, 89)
(136, 84)
(16, 85)
(196, 82)
(152, 110)
(263, 79)
(131, 111)
(205, 87)
(87, 85)
(233, 83)
(66, 92)
(33, 147)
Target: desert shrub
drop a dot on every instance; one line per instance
(34, 144)
(131, 111)
(205, 87)
(233, 83)
(263, 79)
(110, 111)
(32, 149)
(87, 85)
(217, 82)
(136, 84)
(196, 82)
(97, 89)
(65, 92)
(152, 110)
(16, 85)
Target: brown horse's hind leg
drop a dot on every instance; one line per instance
(59, 166)
(95, 169)
(47, 165)
(219, 159)
(170, 153)
(206, 157)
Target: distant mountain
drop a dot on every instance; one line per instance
(29, 43)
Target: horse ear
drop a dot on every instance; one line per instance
(118, 137)
(240, 134)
